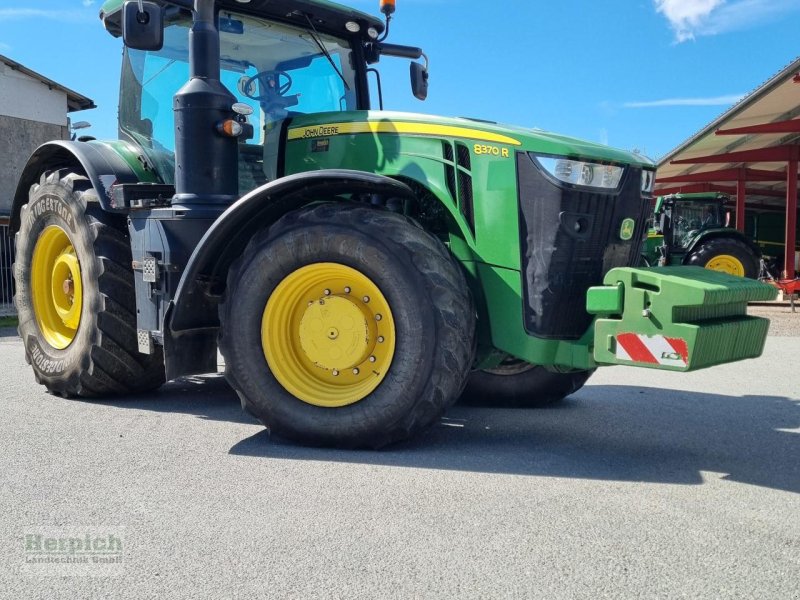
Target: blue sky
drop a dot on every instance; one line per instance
(643, 74)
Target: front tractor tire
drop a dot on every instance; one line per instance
(75, 294)
(346, 326)
(517, 384)
(726, 255)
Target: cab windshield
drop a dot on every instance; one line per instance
(280, 71)
(690, 217)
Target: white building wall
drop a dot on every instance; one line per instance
(23, 97)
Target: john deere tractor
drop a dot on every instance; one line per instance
(692, 229)
(356, 268)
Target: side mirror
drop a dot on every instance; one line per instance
(143, 29)
(419, 81)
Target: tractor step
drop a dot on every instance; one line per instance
(676, 318)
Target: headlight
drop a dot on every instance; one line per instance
(577, 172)
(648, 181)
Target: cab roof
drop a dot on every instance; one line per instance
(696, 196)
(328, 16)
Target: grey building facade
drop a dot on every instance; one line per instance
(33, 110)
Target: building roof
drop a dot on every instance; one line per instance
(777, 100)
(75, 101)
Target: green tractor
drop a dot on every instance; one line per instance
(692, 229)
(356, 268)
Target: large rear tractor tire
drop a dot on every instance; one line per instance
(517, 384)
(346, 326)
(726, 255)
(75, 294)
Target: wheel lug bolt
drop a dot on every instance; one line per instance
(356, 371)
(366, 299)
(347, 290)
(372, 359)
(327, 292)
(335, 373)
(378, 317)
(380, 339)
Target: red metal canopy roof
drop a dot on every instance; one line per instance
(758, 134)
(756, 145)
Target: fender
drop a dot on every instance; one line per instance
(104, 163)
(191, 320)
(722, 232)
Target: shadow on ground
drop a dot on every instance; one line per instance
(623, 433)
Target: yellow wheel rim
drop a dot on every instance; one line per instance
(56, 287)
(328, 335)
(726, 264)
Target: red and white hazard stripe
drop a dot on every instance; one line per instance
(652, 349)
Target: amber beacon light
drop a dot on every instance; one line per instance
(388, 7)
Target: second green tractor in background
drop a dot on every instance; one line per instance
(692, 229)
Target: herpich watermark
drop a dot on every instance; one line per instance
(73, 551)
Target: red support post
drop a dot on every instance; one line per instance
(791, 215)
(741, 195)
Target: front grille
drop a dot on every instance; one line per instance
(569, 241)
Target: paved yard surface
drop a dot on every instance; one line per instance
(642, 485)
(783, 322)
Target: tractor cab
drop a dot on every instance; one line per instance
(275, 70)
(277, 60)
(681, 217)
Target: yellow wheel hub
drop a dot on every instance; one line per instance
(726, 264)
(328, 335)
(56, 287)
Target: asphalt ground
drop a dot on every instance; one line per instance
(642, 485)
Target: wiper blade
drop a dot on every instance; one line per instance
(160, 71)
(315, 36)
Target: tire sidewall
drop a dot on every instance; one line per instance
(53, 204)
(404, 288)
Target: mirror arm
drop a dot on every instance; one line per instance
(400, 51)
(427, 62)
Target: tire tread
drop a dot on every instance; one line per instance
(111, 363)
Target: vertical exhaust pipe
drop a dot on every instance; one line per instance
(206, 162)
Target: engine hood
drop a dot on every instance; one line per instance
(519, 138)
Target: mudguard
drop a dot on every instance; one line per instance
(725, 232)
(104, 163)
(676, 318)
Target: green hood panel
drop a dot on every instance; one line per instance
(532, 140)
